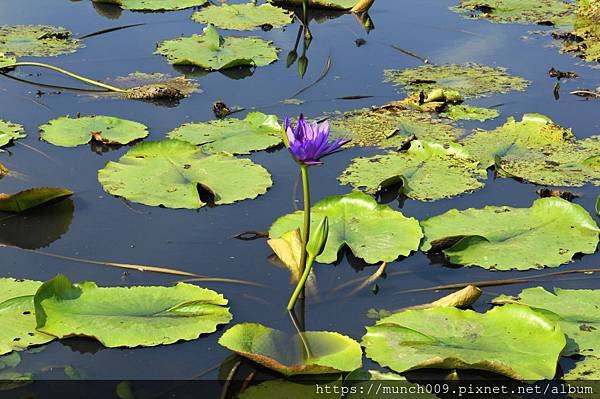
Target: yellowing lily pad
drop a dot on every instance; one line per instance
(511, 340)
(156, 86)
(154, 5)
(10, 131)
(71, 132)
(425, 172)
(37, 41)
(577, 312)
(246, 16)
(31, 198)
(236, 136)
(6, 60)
(470, 80)
(543, 12)
(213, 52)
(17, 317)
(170, 173)
(548, 234)
(128, 316)
(315, 352)
(373, 232)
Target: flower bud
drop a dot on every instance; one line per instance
(318, 238)
(302, 66)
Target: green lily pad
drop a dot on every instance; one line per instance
(37, 41)
(512, 340)
(342, 5)
(293, 389)
(543, 12)
(585, 38)
(128, 316)
(71, 132)
(548, 234)
(470, 80)
(17, 316)
(373, 232)
(154, 5)
(247, 16)
(169, 173)
(361, 385)
(213, 52)
(316, 352)
(6, 60)
(586, 369)
(10, 131)
(577, 312)
(426, 172)
(468, 112)
(388, 127)
(27, 199)
(236, 136)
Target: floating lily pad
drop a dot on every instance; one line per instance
(547, 234)
(236, 136)
(585, 38)
(468, 112)
(288, 249)
(577, 312)
(37, 41)
(17, 316)
(154, 5)
(470, 80)
(293, 389)
(128, 316)
(27, 199)
(342, 5)
(247, 16)
(213, 52)
(543, 12)
(373, 232)
(6, 60)
(425, 172)
(512, 340)
(71, 132)
(10, 131)
(316, 352)
(586, 369)
(361, 385)
(169, 173)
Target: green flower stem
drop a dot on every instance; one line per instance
(300, 287)
(71, 74)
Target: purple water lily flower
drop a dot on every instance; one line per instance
(308, 143)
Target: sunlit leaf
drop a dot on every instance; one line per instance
(425, 172)
(373, 232)
(128, 316)
(246, 16)
(27, 199)
(577, 312)
(548, 234)
(10, 131)
(36, 41)
(170, 173)
(236, 136)
(316, 352)
(468, 112)
(511, 340)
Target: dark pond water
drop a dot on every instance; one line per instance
(98, 226)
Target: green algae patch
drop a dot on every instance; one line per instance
(470, 80)
(459, 112)
(584, 40)
(37, 41)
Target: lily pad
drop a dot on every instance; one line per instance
(341, 5)
(128, 316)
(37, 41)
(511, 340)
(17, 317)
(391, 126)
(236, 136)
(543, 12)
(71, 132)
(470, 80)
(154, 5)
(247, 16)
(577, 312)
(294, 389)
(169, 173)
(373, 232)
(213, 52)
(586, 369)
(425, 172)
(6, 60)
(468, 112)
(27, 199)
(10, 131)
(316, 352)
(547, 234)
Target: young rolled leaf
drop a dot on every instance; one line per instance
(27, 199)
(373, 232)
(128, 316)
(9, 131)
(511, 340)
(548, 234)
(246, 16)
(577, 312)
(316, 352)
